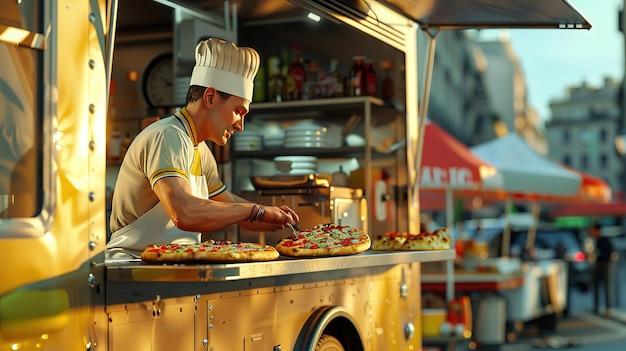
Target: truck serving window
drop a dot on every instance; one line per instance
(21, 118)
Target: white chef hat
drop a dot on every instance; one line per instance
(224, 66)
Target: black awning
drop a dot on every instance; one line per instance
(465, 14)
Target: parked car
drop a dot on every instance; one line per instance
(551, 242)
(560, 244)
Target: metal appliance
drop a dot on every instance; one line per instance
(313, 198)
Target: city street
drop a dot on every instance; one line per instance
(583, 329)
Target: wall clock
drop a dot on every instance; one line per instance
(158, 81)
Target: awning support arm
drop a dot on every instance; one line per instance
(423, 105)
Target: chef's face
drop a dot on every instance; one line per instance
(230, 111)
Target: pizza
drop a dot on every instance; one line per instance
(395, 241)
(324, 240)
(438, 240)
(209, 251)
(389, 241)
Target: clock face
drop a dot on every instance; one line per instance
(158, 81)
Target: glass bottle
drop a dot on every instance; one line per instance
(260, 84)
(357, 77)
(387, 89)
(276, 80)
(371, 83)
(311, 83)
(296, 74)
(338, 89)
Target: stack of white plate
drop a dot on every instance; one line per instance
(305, 134)
(292, 165)
(273, 142)
(248, 141)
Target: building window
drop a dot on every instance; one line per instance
(584, 161)
(604, 161)
(603, 135)
(567, 161)
(566, 136)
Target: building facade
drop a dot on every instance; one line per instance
(582, 128)
(459, 101)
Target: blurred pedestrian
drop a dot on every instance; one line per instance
(603, 270)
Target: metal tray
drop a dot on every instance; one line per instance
(136, 270)
(291, 181)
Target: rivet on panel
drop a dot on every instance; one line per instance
(404, 290)
(92, 108)
(92, 64)
(92, 245)
(92, 145)
(91, 280)
(409, 330)
(92, 196)
(92, 18)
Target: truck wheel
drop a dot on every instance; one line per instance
(328, 343)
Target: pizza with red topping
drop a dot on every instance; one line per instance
(389, 241)
(396, 241)
(325, 240)
(209, 251)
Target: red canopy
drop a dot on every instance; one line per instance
(593, 188)
(447, 163)
(449, 166)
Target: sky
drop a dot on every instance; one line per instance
(554, 59)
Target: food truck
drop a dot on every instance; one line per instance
(59, 61)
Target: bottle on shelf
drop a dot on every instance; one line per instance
(356, 77)
(387, 89)
(260, 85)
(371, 83)
(276, 80)
(337, 90)
(311, 83)
(296, 74)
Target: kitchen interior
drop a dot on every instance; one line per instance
(332, 154)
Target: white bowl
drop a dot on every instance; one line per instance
(303, 133)
(296, 158)
(304, 145)
(306, 125)
(355, 140)
(305, 140)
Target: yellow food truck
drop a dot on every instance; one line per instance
(57, 61)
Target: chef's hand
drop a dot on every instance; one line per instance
(292, 214)
(279, 216)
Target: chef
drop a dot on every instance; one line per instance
(168, 189)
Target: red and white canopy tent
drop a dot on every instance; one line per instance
(532, 178)
(596, 201)
(449, 168)
(505, 170)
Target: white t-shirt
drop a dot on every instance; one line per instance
(163, 149)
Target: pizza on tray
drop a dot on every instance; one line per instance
(210, 251)
(325, 240)
(394, 241)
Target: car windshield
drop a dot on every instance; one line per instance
(553, 243)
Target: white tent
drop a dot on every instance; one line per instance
(525, 171)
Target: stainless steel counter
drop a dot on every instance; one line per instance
(136, 270)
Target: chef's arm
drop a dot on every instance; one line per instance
(191, 213)
(228, 196)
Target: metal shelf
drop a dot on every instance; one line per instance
(136, 270)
